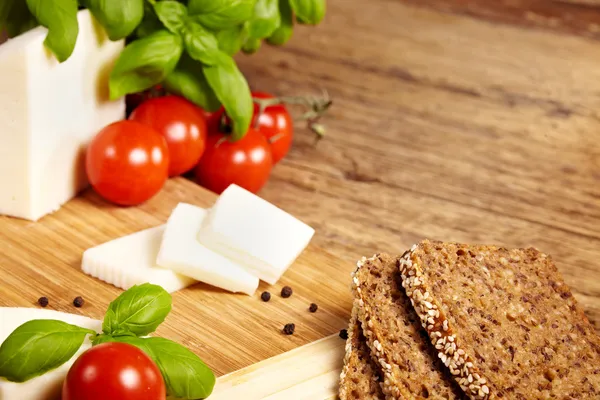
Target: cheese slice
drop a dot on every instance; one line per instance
(49, 385)
(181, 252)
(131, 260)
(255, 233)
(49, 111)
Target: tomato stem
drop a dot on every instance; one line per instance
(316, 108)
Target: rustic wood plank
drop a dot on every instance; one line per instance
(579, 17)
(445, 127)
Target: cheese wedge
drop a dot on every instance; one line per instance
(181, 252)
(255, 233)
(131, 260)
(49, 385)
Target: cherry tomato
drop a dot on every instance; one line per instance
(127, 162)
(213, 119)
(276, 124)
(183, 126)
(115, 371)
(246, 162)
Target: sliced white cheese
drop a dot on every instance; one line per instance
(49, 385)
(131, 260)
(49, 111)
(181, 252)
(255, 233)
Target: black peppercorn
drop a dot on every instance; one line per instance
(78, 301)
(265, 296)
(313, 308)
(43, 301)
(344, 334)
(286, 292)
(289, 329)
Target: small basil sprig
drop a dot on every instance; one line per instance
(266, 19)
(185, 375)
(39, 346)
(138, 311)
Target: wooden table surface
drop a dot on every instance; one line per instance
(466, 120)
(455, 120)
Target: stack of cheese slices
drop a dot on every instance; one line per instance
(240, 240)
(453, 321)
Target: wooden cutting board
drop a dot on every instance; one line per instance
(227, 331)
(311, 372)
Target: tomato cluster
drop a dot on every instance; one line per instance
(129, 161)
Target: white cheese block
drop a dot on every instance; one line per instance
(49, 111)
(181, 252)
(131, 260)
(49, 385)
(255, 233)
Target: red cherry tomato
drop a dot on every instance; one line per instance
(246, 162)
(127, 162)
(183, 126)
(115, 371)
(213, 119)
(276, 124)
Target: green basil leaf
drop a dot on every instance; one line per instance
(188, 80)
(185, 375)
(172, 14)
(18, 18)
(149, 24)
(309, 11)
(286, 28)
(201, 44)
(251, 46)
(139, 310)
(221, 14)
(144, 63)
(119, 18)
(233, 92)
(39, 346)
(60, 17)
(266, 19)
(230, 40)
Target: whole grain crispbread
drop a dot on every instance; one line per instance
(395, 337)
(503, 321)
(361, 376)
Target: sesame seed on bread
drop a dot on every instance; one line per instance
(360, 378)
(503, 322)
(395, 337)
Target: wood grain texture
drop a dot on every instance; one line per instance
(446, 127)
(227, 331)
(580, 17)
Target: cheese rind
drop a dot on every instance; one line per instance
(49, 111)
(49, 385)
(255, 233)
(131, 260)
(181, 252)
